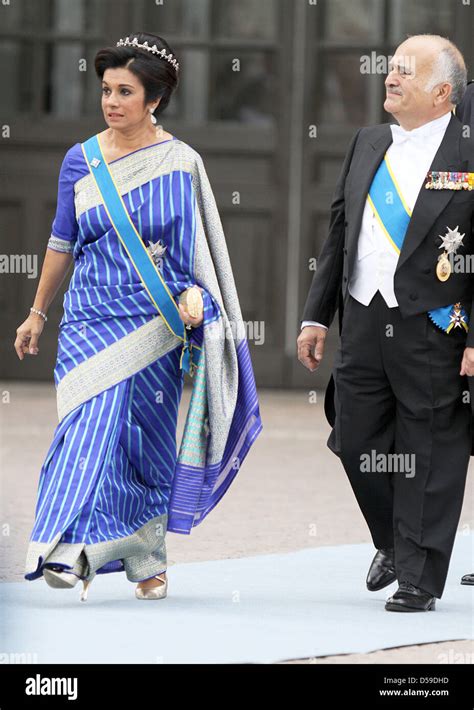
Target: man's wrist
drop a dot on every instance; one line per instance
(313, 323)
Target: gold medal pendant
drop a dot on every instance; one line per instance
(443, 267)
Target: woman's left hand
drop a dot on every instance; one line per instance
(187, 318)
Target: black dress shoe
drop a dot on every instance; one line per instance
(468, 578)
(410, 598)
(381, 571)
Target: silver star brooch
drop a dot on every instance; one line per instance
(452, 240)
(156, 249)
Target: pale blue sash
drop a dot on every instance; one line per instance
(394, 217)
(137, 251)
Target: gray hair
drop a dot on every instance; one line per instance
(449, 67)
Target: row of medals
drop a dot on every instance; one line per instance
(449, 180)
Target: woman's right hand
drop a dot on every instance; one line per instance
(27, 335)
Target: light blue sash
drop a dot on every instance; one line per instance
(137, 251)
(394, 217)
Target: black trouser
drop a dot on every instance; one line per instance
(398, 391)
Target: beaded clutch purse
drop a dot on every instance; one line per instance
(192, 300)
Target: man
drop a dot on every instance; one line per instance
(403, 422)
(465, 112)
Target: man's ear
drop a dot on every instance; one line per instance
(442, 93)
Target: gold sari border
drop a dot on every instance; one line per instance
(117, 362)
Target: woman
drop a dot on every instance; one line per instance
(137, 216)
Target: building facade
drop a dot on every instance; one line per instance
(270, 93)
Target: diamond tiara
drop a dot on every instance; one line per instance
(154, 49)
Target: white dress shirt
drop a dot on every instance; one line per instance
(410, 156)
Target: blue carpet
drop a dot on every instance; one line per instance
(251, 610)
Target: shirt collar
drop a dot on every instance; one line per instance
(425, 131)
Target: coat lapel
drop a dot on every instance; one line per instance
(430, 203)
(363, 174)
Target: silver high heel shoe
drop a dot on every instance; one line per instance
(59, 579)
(158, 592)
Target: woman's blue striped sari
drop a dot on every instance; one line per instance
(112, 483)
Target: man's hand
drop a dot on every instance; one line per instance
(311, 340)
(467, 365)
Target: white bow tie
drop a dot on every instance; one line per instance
(400, 135)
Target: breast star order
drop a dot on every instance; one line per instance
(452, 240)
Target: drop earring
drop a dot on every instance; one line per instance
(153, 119)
